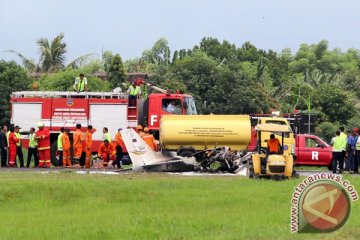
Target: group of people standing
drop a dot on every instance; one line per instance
(11, 146)
(346, 150)
(82, 146)
(110, 151)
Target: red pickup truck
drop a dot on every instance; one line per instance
(310, 150)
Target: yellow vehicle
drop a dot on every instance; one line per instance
(266, 164)
(289, 139)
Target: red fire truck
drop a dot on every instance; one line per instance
(99, 109)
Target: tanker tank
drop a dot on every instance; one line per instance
(200, 132)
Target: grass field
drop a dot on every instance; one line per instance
(67, 205)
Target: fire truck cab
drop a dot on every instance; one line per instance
(99, 109)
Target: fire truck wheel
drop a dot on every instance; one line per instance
(53, 156)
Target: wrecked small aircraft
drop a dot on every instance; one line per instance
(218, 159)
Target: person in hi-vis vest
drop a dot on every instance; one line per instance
(134, 92)
(81, 84)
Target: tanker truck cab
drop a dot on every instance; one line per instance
(265, 164)
(168, 104)
(289, 139)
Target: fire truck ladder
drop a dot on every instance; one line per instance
(58, 94)
(132, 116)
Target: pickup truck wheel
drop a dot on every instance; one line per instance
(53, 157)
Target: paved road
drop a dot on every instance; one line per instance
(311, 172)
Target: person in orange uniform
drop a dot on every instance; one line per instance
(78, 142)
(120, 149)
(273, 144)
(12, 140)
(43, 137)
(107, 151)
(119, 141)
(149, 139)
(66, 148)
(88, 142)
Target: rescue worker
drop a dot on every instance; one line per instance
(337, 143)
(139, 130)
(107, 151)
(119, 141)
(59, 145)
(149, 139)
(351, 150)
(4, 146)
(120, 149)
(134, 92)
(357, 155)
(106, 134)
(88, 142)
(273, 144)
(81, 84)
(78, 142)
(65, 140)
(43, 138)
(33, 149)
(19, 151)
(119, 156)
(12, 141)
(343, 136)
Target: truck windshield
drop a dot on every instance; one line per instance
(189, 105)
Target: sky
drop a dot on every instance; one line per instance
(129, 27)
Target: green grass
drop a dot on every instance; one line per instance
(67, 205)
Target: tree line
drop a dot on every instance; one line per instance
(224, 78)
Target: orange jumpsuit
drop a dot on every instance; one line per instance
(273, 145)
(78, 143)
(119, 142)
(88, 143)
(43, 136)
(150, 140)
(12, 148)
(66, 149)
(107, 152)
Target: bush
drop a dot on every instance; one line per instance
(326, 130)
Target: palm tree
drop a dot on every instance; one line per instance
(52, 56)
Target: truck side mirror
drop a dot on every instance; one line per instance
(185, 105)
